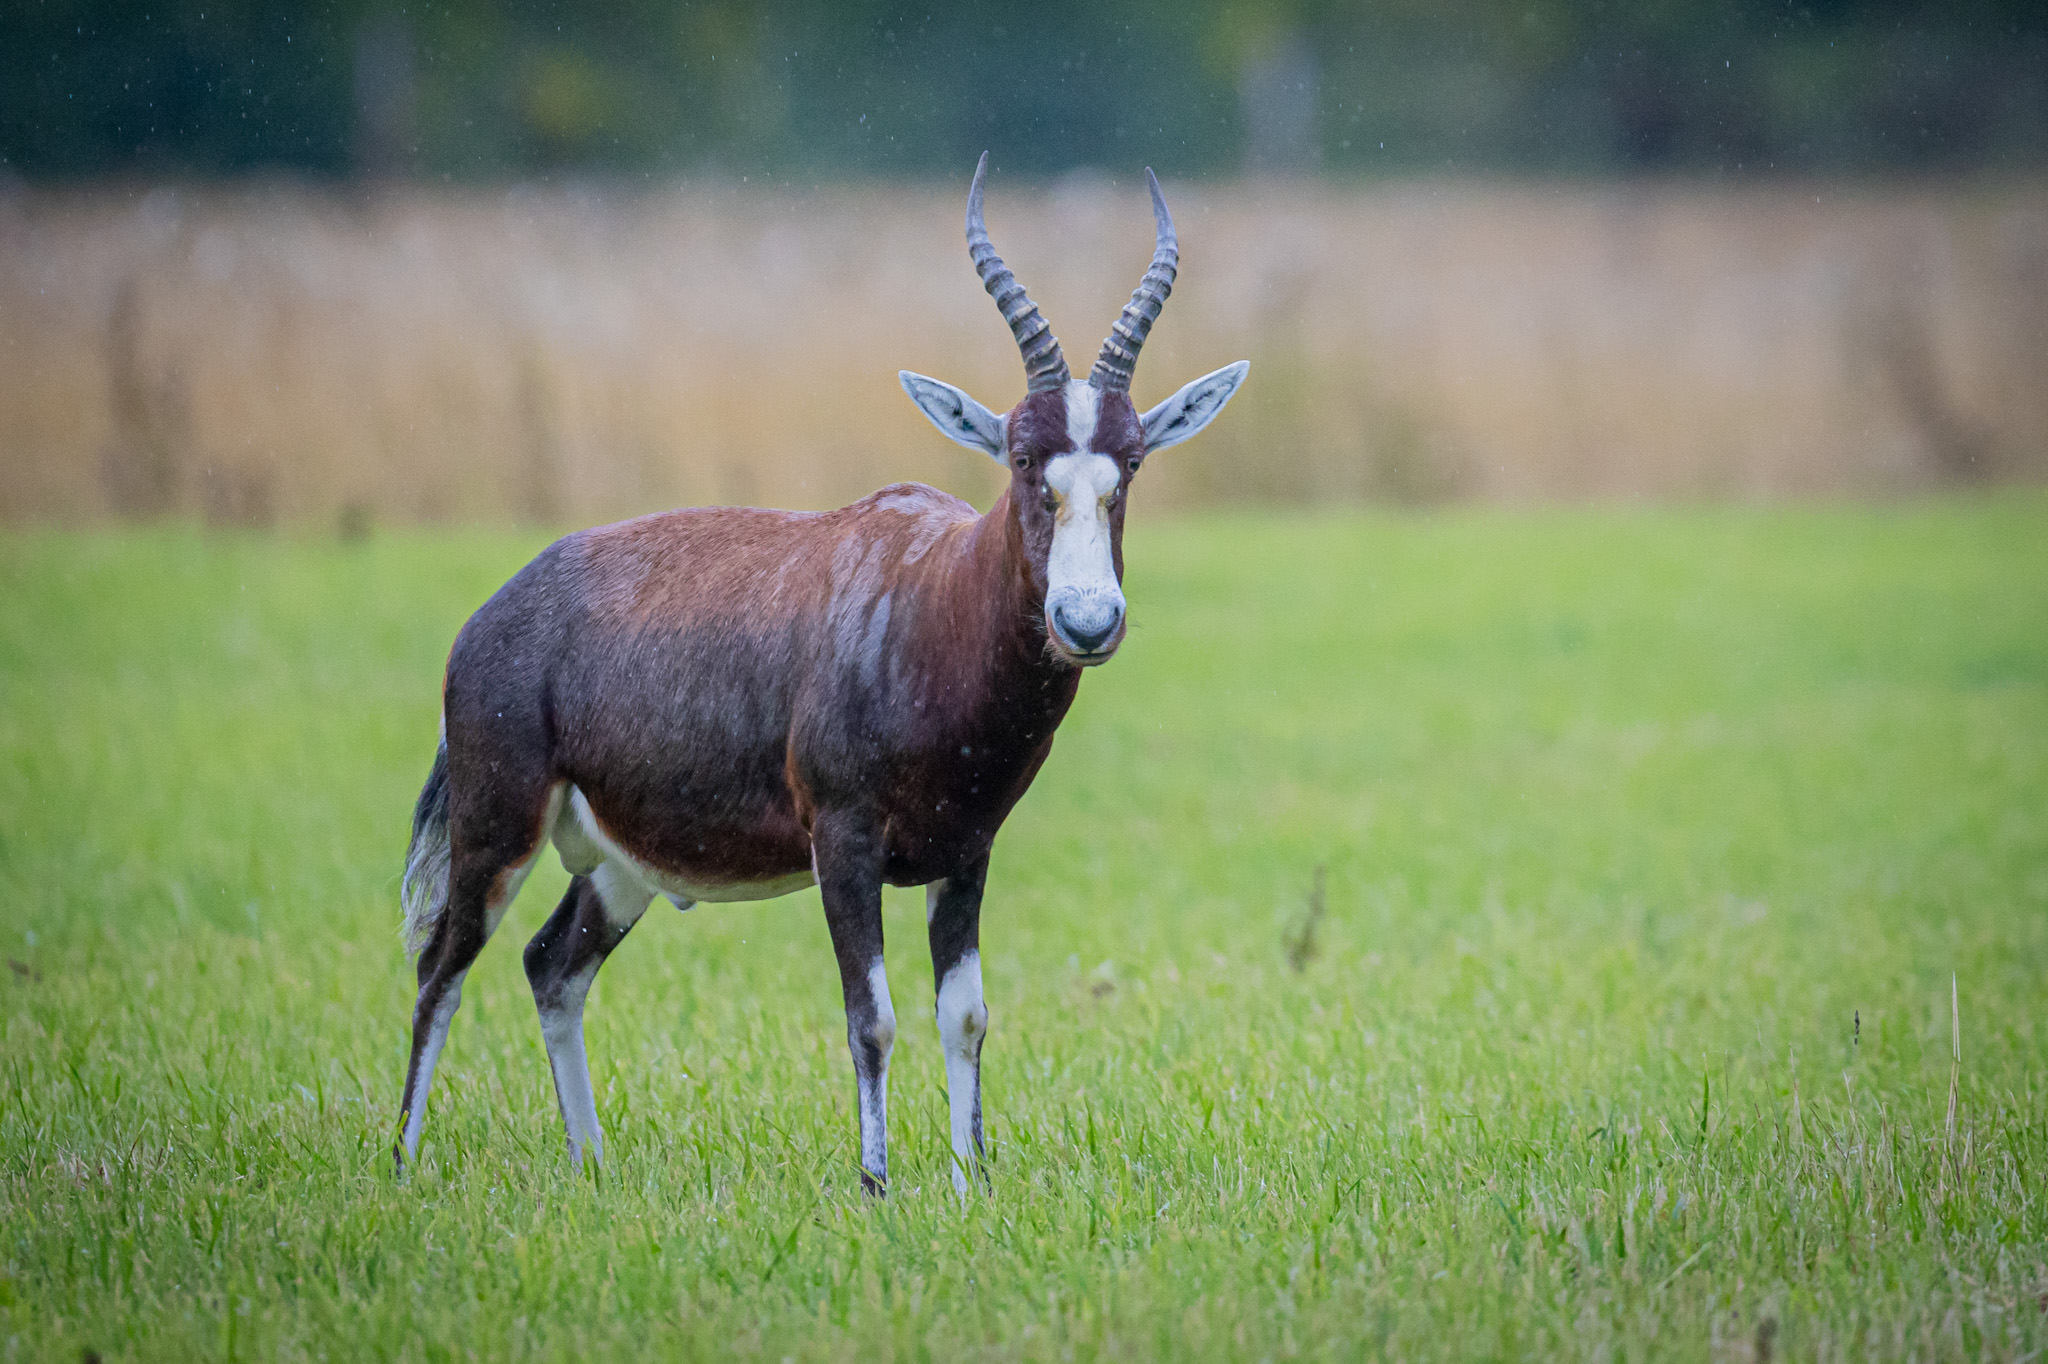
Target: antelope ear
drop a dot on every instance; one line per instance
(962, 419)
(1193, 408)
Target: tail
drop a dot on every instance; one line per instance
(424, 891)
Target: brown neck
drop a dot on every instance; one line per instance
(1000, 620)
(1010, 578)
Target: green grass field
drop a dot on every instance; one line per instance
(1652, 840)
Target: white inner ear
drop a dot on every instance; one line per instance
(962, 420)
(1193, 408)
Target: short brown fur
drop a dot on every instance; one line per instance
(739, 698)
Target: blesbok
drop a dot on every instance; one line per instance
(728, 704)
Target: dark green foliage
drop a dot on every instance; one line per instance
(472, 89)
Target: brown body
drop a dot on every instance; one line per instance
(726, 704)
(709, 678)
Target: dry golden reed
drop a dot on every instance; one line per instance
(566, 356)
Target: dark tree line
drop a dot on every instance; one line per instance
(470, 89)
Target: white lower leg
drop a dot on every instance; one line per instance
(871, 1069)
(561, 1027)
(624, 898)
(963, 1022)
(423, 1077)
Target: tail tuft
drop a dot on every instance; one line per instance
(424, 890)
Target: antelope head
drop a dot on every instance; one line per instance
(1073, 446)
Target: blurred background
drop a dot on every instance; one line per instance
(360, 261)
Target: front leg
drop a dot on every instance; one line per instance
(953, 912)
(847, 850)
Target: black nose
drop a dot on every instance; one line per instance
(1089, 632)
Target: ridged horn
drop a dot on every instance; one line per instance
(1120, 350)
(1044, 366)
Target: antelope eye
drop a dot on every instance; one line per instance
(1132, 464)
(1021, 463)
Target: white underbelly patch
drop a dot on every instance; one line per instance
(582, 844)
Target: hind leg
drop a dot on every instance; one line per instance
(484, 875)
(561, 961)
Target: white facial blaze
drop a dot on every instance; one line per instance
(1080, 557)
(1080, 572)
(1084, 410)
(1084, 606)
